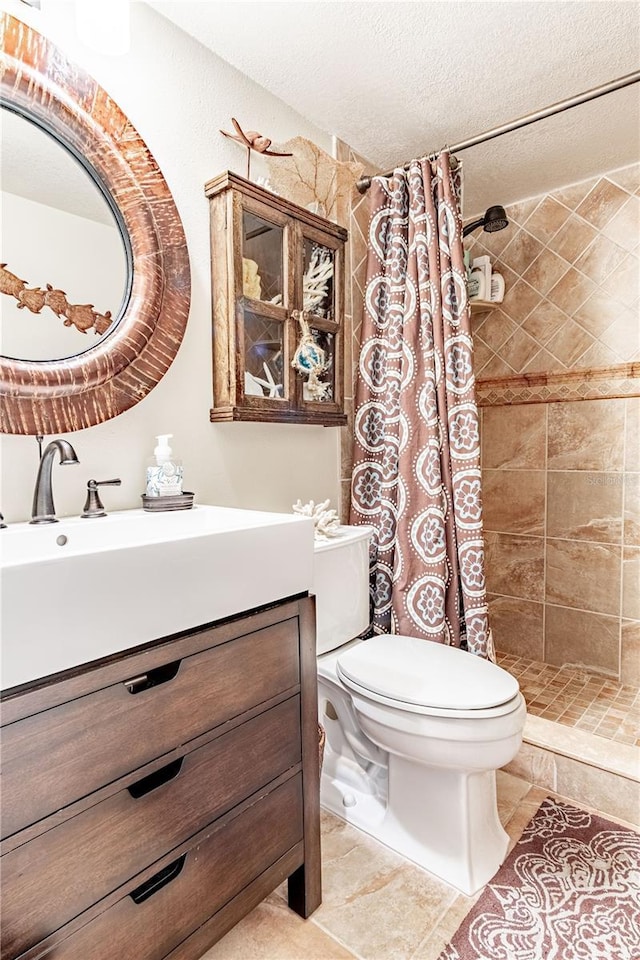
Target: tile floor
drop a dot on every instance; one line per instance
(576, 698)
(377, 905)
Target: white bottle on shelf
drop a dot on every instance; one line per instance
(497, 288)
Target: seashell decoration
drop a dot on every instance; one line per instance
(326, 522)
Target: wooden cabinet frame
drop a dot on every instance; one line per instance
(230, 196)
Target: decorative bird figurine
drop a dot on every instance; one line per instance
(252, 140)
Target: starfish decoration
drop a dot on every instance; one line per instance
(273, 389)
(252, 140)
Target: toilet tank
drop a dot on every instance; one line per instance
(341, 585)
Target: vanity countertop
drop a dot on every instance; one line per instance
(79, 590)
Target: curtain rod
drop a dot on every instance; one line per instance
(365, 182)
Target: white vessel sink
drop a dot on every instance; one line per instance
(79, 590)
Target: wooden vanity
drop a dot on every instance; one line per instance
(152, 799)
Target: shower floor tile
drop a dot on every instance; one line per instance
(576, 698)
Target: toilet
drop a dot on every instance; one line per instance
(415, 730)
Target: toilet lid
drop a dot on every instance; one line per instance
(427, 674)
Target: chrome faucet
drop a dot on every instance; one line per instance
(43, 510)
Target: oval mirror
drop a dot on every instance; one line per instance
(64, 263)
(133, 308)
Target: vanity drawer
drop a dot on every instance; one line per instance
(101, 848)
(52, 758)
(159, 914)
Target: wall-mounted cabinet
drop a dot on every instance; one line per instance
(277, 270)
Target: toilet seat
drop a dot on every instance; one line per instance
(428, 678)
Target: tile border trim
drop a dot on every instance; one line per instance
(598, 384)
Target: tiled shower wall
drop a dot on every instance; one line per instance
(561, 480)
(570, 264)
(561, 491)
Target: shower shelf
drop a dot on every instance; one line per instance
(482, 306)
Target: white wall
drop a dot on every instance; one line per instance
(85, 259)
(179, 95)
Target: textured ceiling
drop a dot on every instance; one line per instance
(398, 79)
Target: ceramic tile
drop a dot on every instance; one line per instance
(435, 942)
(598, 313)
(626, 177)
(610, 794)
(573, 238)
(544, 321)
(624, 282)
(345, 500)
(519, 300)
(569, 343)
(375, 900)
(514, 501)
(546, 219)
(574, 637)
(584, 701)
(515, 565)
(496, 367)
(623, 336)
(624, 226)
(517, 625)
(544, 362)
(520, 212)
(632, 435)
(573, 194)
(571, 291)
(521, 251)
(585, 435)
(630, 653)
(481, 353)
(600, 258)
(597, 355)
(510, 792)
(498, 330)
(585, 506)
(599, 206)
(494, 243)
(632, 509)
(631, 583)
(534, 765)
(583, 575)
(273, 931)
(545, 271)
(514, 437)
(518, 350)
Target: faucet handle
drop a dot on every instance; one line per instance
(93, 504)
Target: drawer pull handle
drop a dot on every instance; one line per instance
(153, 678)
(155, 780)
(158, 881)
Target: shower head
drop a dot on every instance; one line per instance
(494, 219)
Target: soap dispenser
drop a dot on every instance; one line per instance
(164, 471)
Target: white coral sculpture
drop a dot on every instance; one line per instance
(325, 521)
(315, 282)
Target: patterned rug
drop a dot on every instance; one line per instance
(569, 890)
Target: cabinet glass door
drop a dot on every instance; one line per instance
(264, 350)
(262, 259)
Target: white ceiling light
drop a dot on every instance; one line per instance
(104, 25)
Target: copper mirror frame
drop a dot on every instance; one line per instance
(37, 80)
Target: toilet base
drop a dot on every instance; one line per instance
(444, 821)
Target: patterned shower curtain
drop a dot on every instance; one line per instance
(416, 475)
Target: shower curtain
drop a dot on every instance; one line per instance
(416, 474)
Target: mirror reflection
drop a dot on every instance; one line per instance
(64, 274)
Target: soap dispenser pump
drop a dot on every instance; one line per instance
(164, 472)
